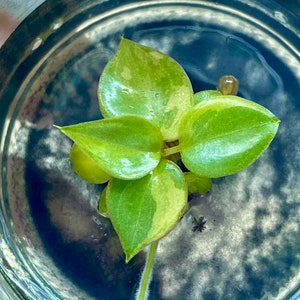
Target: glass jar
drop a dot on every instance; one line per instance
(55, 245)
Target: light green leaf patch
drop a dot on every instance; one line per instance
(224, 135)
(205, 95)
(86, 167)
(141, 81)
(197, 184)
(102, 208)
(128, 147)
(146, 209)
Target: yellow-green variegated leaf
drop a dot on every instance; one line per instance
(126, 147)
(141, 81)
(86, 167)
(146, 209)
(224, 135)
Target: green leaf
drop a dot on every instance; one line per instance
(87, 168)
(197, 184)
(127, 147)
(224, 135)
(205, 95)
(146, 209)
(141, 81)
(102, 207)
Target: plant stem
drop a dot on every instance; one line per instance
(170, 151)
(143, 290)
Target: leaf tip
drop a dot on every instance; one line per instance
(128, 258)
(129, 255)
(58, 127)
(276, 120)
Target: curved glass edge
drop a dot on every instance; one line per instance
(6, 291)
(296, 296)
(15, 281)
(292, 6)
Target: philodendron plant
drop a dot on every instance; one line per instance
(158, 142)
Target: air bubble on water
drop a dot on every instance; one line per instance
(97, 221)
(57, 24)
(37, 43)
(189, 216)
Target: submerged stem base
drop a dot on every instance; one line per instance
(143, 290)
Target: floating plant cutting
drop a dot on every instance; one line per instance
(153, 122)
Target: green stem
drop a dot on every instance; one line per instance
(143, 290)
(171, 150)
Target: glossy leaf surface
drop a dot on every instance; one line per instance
(141, 81)
(224, 135)
(86, 168)
(127, 147)
(146, 209)
(206, 94)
